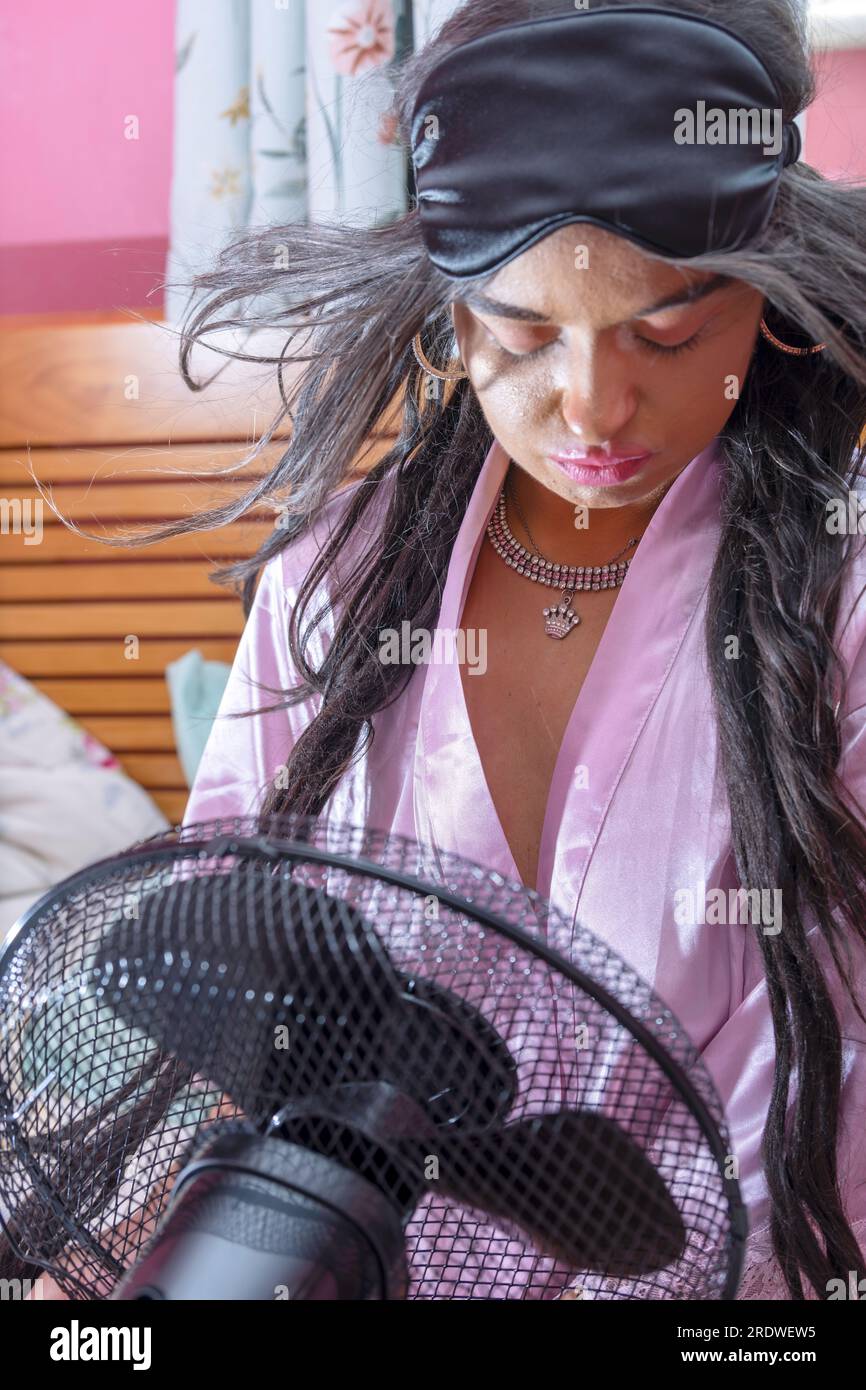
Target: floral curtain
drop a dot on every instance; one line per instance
(281, 114)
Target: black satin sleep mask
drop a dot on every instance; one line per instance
(651, 123)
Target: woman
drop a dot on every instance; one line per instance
(702, 726)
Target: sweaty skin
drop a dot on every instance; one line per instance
(587, 378)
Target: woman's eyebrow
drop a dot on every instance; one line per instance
(489, 305)
(688, 295)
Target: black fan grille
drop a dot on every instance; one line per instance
(97, 1120)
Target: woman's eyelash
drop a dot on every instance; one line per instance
(522, 356)
(646, 342)
(519, 356)
(672, 351)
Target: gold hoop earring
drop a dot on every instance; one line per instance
(785, 347)
(428, 366)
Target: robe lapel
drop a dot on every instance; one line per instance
(453, 806)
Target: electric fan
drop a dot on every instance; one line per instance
(285, 1059)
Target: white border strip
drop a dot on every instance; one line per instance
(837, 24)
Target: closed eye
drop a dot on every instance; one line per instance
(520, 356)
(648, 343)
(677, 347)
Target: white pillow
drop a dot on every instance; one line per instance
(65, 801)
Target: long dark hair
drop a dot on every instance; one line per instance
(790, 445)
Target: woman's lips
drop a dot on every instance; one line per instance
(601, 470)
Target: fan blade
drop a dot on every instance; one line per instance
(323, 972)
(316, 968)
(576, 1182)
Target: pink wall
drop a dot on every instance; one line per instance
(836, 123)
(75, 191)
(84, 213)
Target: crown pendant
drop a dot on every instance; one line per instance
(559, 620)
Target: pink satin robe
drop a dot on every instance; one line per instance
(652, 820)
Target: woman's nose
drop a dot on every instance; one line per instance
(598, 393)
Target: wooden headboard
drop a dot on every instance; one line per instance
(98, 405)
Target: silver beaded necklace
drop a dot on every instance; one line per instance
(569, 579)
